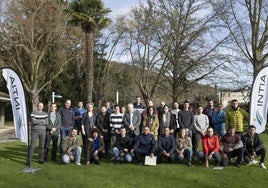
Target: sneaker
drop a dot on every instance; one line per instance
(113, 158)
(262, 166)
(254, 162)
(237, 165)
(78, 164)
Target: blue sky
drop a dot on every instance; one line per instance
(119, 7)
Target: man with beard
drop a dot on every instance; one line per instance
(253, 146)
(235, 116)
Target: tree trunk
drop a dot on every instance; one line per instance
(89, 53)
(35, 99)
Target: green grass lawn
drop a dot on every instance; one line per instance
(55, 174)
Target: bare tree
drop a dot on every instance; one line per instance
(187, 34)
(247, 22)
(34, 41)
(145, 56)
(105, 49)
(175, 39)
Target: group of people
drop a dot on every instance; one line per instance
(138, 132)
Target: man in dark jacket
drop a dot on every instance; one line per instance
(67, 121)
(253, 147)
(103, 124)
(122, 147)
(144, 145)
(166, 146)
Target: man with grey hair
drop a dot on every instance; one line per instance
(67, 120)
(132, 121)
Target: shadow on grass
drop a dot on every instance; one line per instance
(16, 153)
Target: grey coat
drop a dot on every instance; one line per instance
(136, 121)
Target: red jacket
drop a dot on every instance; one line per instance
(210, 144)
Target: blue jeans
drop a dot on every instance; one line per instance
(64, 131)
(76, 153)
(117, 152)
(219, 130)
(187, 153)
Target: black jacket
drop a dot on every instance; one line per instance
(255, 146)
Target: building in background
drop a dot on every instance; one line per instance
(4, 100)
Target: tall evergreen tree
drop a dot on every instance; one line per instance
(91, 16)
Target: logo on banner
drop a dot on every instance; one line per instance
(259, 101)
(259, 117)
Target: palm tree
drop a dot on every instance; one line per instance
(91, 16)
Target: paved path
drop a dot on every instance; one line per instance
(7, 134)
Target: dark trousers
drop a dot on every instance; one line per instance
(261, 152)
(88, 148)
(107, 146)
(54, 139)
(37, 134)
(239, 153)
(97, 156)
(140, 153)
(195, 139)
(160, 157)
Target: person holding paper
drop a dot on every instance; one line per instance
(144, 145)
